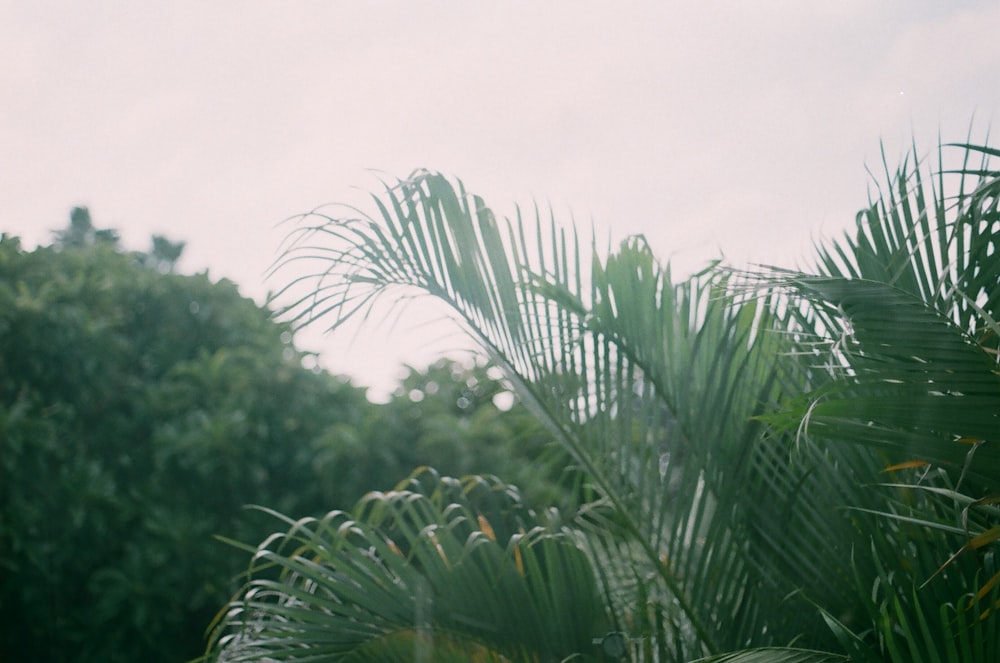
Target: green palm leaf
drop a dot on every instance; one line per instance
(906, 308)
(912, 378)
(775, 655)
(403, 576)
(653, 387)
(733, 444)
(909, 307)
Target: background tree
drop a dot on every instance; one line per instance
(81, 231)
(140, 410)
(449, 415)
(164, 254)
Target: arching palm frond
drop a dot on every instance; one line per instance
(776, 655)
(812, 470)
(907, 306)
(401, 578)
(652, 386)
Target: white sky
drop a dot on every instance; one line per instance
(736, 128)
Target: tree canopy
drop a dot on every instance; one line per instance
(142, 409)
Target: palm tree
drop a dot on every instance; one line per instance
(907, 306)
(782, 463)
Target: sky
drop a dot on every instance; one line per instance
(738, 129)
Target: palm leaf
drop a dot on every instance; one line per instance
(775, 655)
(665, 395)
(653, 388)
(906, 308)
(403, 576)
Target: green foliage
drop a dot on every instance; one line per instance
(907, 308)
(401, 578)
(140, 410)
(138, 413)
(807, 473)
(449, 415)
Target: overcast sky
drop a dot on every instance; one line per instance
(737, 128)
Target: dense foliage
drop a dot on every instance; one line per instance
(141, 409)
(787, 466)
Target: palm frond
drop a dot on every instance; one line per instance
(653, 387)
(775, 655)
(905, 309)
(402, 578)
(733, 442)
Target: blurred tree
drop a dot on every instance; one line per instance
(138, 413)
(140, 410)
(462, 418)
(81, 231)
(164, 254)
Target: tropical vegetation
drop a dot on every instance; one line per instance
(142, 409)
(776, 465)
